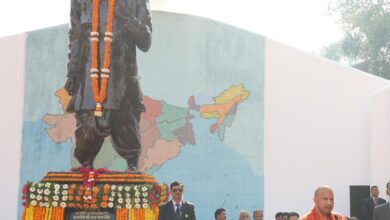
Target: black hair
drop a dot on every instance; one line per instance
(278, 214)
(176, 183)
(291, 214)
(218, 212)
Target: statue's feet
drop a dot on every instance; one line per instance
(132, 169)
(132, 165)
(75, 169)
(86, 165)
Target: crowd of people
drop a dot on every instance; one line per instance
(286, 216)
(257, 214)
(374, 208)
(220, 214)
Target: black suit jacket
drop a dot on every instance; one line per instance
(368, 207)
(382, 212)
(167, 211)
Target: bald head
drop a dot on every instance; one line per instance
(324, 200)
(321, 189)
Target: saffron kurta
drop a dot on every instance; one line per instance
(315, 215)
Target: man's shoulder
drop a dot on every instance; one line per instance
(304, 217)
(339, 216)
(381, 207)
(165, 204)
(381, 200)
(368, 200)
(382, 211)
(187, 203)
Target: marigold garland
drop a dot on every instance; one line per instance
(101, 175)
(43, 213)
(48, 200)
(134, 199)
(111, 180)
(100, 93)
(49, 212)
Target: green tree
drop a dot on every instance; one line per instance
(366, 41)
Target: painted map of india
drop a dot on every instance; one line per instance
(164, 128)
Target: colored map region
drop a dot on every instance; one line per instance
(224, 107)
(164, 128)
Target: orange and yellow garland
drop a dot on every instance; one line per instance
(142, 200)
(100, 94)
(43, 213)
(50, 213)
(130, 214)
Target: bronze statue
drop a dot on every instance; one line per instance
(103, 77)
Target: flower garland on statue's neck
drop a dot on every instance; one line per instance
(100, 94)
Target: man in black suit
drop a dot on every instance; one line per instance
(372, 202)
(177, 208)
(382, 212)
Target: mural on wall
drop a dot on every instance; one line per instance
(203, 90)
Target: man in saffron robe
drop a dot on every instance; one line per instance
(323, 206)
(123, 104)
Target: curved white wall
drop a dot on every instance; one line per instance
(12, 57)
(317, 129)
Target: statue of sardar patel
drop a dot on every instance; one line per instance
(103, 78)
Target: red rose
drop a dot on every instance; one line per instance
(151, 197)
(24, 190)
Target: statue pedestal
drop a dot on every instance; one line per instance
(94, 194)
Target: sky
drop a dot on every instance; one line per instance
(304, 24)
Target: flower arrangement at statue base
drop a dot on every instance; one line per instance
(132, 196)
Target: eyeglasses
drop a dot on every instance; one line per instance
(177, 190)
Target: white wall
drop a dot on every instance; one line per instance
(317, 129)
(380, 139)
(12, 57)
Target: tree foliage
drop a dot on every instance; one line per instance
(366, 41)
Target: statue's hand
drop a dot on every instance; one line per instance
(70, 86)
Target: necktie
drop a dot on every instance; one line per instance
(177, 211)
(375, 202)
